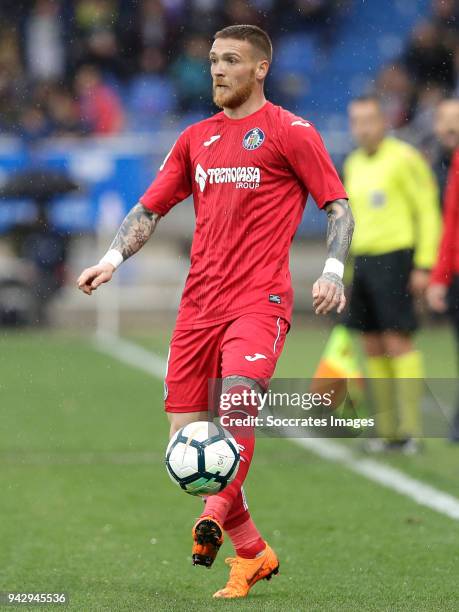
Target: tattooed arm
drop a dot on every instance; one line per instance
(328, 290)
(137, 227)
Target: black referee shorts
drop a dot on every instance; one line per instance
(380, 300)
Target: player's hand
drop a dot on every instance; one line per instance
(94, 276)
(328, 294)
(436, 297)
(418, 283)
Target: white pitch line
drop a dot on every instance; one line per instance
(423, 494)
(132, 354)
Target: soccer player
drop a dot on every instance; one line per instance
(395, 204)
(443, 291)
(250, 169)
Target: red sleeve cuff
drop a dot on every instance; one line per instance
(330, 197)
(153, 207)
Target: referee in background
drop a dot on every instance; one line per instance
(397, 223)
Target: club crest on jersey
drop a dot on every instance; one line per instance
(253, 139)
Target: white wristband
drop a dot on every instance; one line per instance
(113, 257)
(334, 266)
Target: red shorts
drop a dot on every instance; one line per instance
(247, 346)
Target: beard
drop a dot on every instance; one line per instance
(233, 98)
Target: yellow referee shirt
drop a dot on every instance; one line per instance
(394, 199)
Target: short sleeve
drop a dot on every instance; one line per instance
(309, 159)
(172, 183)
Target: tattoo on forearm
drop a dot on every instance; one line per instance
(137, 227)
(340, 229)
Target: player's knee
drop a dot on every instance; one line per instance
(178, 420)
(174, 427)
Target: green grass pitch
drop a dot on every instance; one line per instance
(86, 506)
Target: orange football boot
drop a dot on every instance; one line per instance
(208, 537)
(245, 573)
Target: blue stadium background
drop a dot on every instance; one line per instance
(156, 79)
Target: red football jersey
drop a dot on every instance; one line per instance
(250, 179)
(447, 265)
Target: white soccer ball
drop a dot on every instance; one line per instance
(202, 458)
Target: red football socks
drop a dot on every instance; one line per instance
(247, 540)
(229, 507)
(218, 506)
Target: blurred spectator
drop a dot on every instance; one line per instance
(12, 81)
(239, 11)
(420, 127)
(63, 113)
(11, 10)
(34, 124)
(204, 16)
(153, 54)
(100, 107)
(151, 93)
(44, 47)
(51, 111)
(95, 16)
(315, 16)
(191, 74)
(153, 24)
(445, 16)
(396, 92)
(446, 129)
(97, 37)
(295, 62)
(428, 59)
